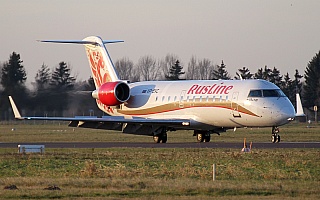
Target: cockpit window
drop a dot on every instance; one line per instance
(270, 93)
(273, 93)
(266, 93)
(281, 94)
(255, 93)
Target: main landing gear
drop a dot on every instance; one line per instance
(275, 138)
(161, 136)
(202, 136)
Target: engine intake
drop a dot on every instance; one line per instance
(112, 93)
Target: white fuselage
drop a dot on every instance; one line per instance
(217, 103)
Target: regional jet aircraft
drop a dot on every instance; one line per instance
(155, 107)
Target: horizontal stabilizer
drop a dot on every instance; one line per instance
(80, 41)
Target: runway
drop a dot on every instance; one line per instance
(258, 145)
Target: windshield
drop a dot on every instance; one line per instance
(255, 93)
(266, 93)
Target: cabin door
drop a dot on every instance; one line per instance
(235, 105)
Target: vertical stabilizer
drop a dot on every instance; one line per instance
(300, 112)
(100, 62)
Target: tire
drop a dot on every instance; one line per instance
(200, 137)
(207, 138)
(164, 138)
(278, 139)
(156, 138)
(273, 138)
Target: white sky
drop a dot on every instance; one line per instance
(253, 33)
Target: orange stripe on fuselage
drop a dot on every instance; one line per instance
(175, 106)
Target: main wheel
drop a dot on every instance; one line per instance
(156, 139)
(200, 137)
(207, 137)
(164, 138)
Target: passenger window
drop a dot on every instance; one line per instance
(162, 98)
(255, 93)
(169, 98)
(175, 98)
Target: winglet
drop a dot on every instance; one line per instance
(15, 109)
(300, 112)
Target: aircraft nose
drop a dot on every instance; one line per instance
(287, 113)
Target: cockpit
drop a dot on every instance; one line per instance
(266, 93)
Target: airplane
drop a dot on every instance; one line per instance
(154, 108)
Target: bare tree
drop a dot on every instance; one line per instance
(193, 70)
(135, 77)
(148, 68)
(124, 67)
(199, 69)
(205, 69)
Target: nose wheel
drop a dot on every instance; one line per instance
(275, 138)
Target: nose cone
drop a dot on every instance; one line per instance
(95, 94)
(287, 113)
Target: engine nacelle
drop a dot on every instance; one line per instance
(112, 93)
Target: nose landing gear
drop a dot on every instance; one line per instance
(275, 138)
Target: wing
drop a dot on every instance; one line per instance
(133, 125)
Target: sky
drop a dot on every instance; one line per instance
(243, 33)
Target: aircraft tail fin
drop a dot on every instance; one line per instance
(300, 112)
(101, 65)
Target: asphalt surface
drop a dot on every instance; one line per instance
(258, 145)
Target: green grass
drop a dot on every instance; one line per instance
(154, 173)
(161, 173)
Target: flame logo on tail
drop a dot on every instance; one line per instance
(99, 71)
(100, 63)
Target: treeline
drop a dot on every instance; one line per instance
(56, 92)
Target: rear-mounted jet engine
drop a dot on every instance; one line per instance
(112, 93)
